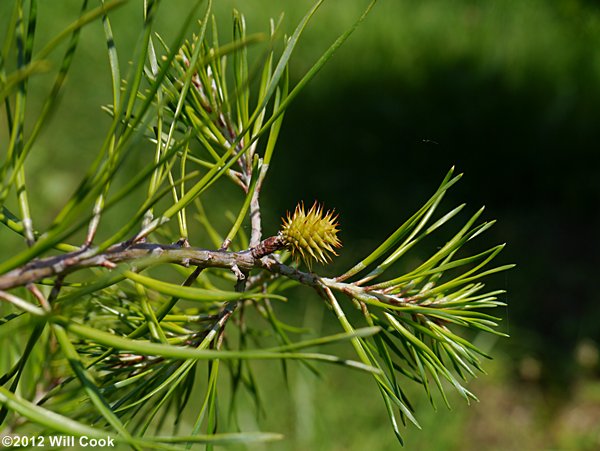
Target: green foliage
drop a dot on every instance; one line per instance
(103, 349)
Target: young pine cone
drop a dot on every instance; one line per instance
(311, 236)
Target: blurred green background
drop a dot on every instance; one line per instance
(509, 92)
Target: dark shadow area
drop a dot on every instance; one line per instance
(377, 149)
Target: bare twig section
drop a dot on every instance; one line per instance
(94, 222)
(141, 254)
(305, 278)
(255, 218)
(35, 291)
(58, 283)
(22, 304)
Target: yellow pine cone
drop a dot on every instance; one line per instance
(311, 236)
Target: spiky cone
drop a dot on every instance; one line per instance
(311, 236)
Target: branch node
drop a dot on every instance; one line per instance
(182, 242)
(225, 245)
(157, 251)
(238, 273)
(267, 246)
(107, 264)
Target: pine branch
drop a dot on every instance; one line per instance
(132, 349)
(141, 254)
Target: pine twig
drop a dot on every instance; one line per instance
(140, 253)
